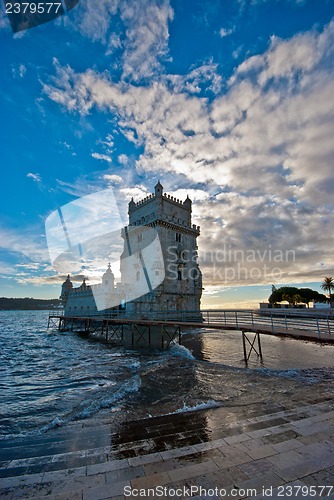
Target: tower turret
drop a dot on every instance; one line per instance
(108, 279)
(132, 205)
(158, 189)
(65, 289)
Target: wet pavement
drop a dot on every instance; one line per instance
(258, 451)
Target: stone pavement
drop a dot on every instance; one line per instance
(272, 453)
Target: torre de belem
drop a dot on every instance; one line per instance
(159, 265)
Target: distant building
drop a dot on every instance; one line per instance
(281, 305)
(171, 281)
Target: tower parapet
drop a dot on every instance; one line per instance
(161, 207)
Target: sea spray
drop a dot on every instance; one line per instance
(181, 351)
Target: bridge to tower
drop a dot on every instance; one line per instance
(168, 327)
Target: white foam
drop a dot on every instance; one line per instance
(180, 350)
(56, 422)
(131, 386)
(200, 406)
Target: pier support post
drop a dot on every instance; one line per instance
(244, 346)
(259, 345)
(252, 346)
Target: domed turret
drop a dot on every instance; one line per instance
(132, 205)
(108, 279)
(158, 189)
(83, 285)
(65, 289)
(187, 202)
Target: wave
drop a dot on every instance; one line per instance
(307, 375)
(105, 402)
(85, 409)
(180, 350)
(199, 406)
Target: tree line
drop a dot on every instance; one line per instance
(27, 303)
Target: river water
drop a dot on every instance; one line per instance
(54, 379)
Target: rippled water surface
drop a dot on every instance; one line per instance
(49, 378)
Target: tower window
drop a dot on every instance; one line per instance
(138, 276)
(178, 237)
(179, 275)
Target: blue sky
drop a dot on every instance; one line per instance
(230, 102)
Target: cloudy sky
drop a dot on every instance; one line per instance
(228, 101)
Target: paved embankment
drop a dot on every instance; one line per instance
(270, 448)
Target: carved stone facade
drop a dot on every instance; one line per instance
(181, 288)
(165, 279)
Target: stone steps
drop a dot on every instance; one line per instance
(275, 446)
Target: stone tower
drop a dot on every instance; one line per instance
(180, 286)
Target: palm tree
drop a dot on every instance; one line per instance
(328, 285)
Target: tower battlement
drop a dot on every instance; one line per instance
(160, 206)
(152, 196)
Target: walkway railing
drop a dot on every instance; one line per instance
(269, 320)
(248, 318)
(239, 318)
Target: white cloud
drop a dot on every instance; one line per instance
(113, 178)
(93, 18)
(138, 29)
(137, 192)
(19, 71)
(223, 32)
(264, 147)
(25, 244)
(123, 159)
(147, 36)
(202, 78)
(99, 156)
(36, 177)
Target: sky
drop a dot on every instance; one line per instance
(228, 101)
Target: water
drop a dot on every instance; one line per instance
(51, 379)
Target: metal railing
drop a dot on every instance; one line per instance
(271, 321)
(239, 318)
(243, 318)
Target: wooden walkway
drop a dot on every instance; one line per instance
(168, 327)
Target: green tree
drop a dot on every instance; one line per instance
(296, 299)
(306, 295)
(287, 298)
(277, 294)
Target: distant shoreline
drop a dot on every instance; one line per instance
(28, 304)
